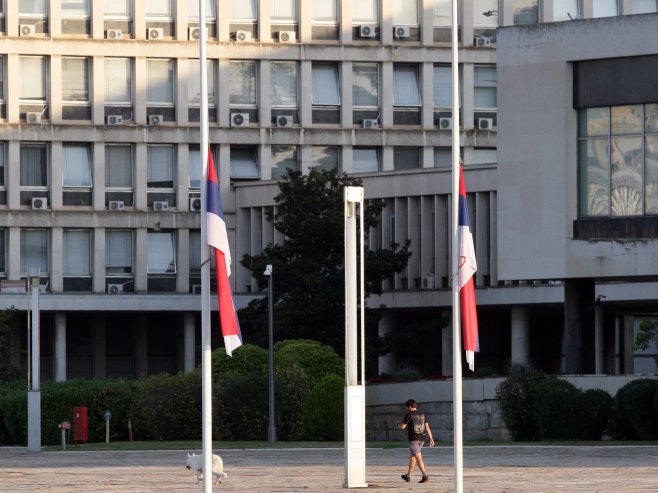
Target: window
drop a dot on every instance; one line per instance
(194, 167)
(618, 161)
(193, 7)
(160, 166)
(243, 82)
(283, 159)
(442, 13)
(564, 10)
(526, 11)
(406, 87)
(161, 257)
(644, 6)
(2, 78)
(34, 251)
(117, 8)
(283, 10)
(324, 11)
(160, 81)
(77, 166)
(365, 11)
(244, 164)
(118, 252)
(2, 165)
(325, 84)
(604, 8)
(442, 157)
(159, 8)
(365, 84)
(244, 10)
(75, 8)
(75, 80)
(34, 78)
(484, 90)
(118, 81)
(194, 83)
(33, 7)
(365, 160)
(405, 12)
(325, 158)
(284, 84)
(118, 166)
(406, 158)
(195, 251)
(34, 165)
(484, 21)
(442, 86)
(3, 267)
(77, 253)
(480, 156)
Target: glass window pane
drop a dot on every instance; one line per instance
(75, 79)
(365, 160)
(442, 157)
(594, 177)
(194, 167)
(564, 10)
(651, 174)
(33, 78)
(365, 84)
(33, 7)
(485, 87)
(406, 88)
(243, 82)
(195, 251)
(324, 158)
(604, 8)
(405, 12)
(3, 261)
(644, 6)
(480, 20)
(159, 8)
(594, 122)
(442, 87)
(244, 164)
(161, 257)
(324, 11)
(2, 165)
(118, 80)
(118, 166)
(365, 11)
(481, 156)
(284, 84)
(34, 251)
(160, 172)
(626, 119)
(325, 85)
(283, 159)
(118, 252)
(626, 176)
(442, 13)
(283, 10)
(194, 82)
(193, 11)
(77, 166)
(160, 81)
(244, 10)
(75, 8)
(117, 8)
(406, 158)
(526, 11)
(34, 166)
(77, 253)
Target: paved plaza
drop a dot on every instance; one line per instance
(489, 469)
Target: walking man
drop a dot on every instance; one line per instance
(416, 426)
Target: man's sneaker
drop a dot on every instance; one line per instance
(424, 479)
(405, 477)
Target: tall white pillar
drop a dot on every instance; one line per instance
(60, 347)
(386, 363)
(189, 341)
(520, 336)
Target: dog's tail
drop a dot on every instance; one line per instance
(223, 475)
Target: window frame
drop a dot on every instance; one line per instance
(236, 82)
(278, 100)
(241, 167)
(112, 240)
(44, 78)
(84, 173)
(476, 87)
(154, 78)
(44, 165)
(109, 165)
(325, 84)
(74, 251)
(193, 82)
(43, 260)
(397, 166)
(329, 166)
(398, 71)
(361, 70)
(279, 164)
(167, 168)
(377, 153)
(165, 239)
(82, 100)
(112, 82)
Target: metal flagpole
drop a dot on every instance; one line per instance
(205, 261)
(456, 341)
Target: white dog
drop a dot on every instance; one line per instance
(195, 462)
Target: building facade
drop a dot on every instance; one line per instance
(100, 181)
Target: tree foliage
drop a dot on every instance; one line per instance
(647, 335)
(308, 265)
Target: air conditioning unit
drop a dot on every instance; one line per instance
(155, 33)
(401, 31)
(195, 203)
(33, 117)
(114, 119)
(196, 288)
(367, 31)
(116, 205)
(39, 203)
(114, 34)
(428, 282)
(287, 36)
(242, 36)
(160, 205)
(445, 123)
(239, 119)
(284, 121)
(370, 123)
(27, 29)
(194, 33)
(114, 288)
(155, 119)
(482, 41)
(485, 123)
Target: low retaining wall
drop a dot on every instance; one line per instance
(480, 410)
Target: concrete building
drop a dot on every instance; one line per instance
(100, 180)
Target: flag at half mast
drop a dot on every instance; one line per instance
(218, 240)
(467, 267)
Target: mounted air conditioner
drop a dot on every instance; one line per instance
(27, 29)
(114, 34)
(367, 31)
(370, 123)
(33, 117)
(482, 41)
(445, 123)
(284, 121)
(485, 123)
(116, 205)
(242, 36)
(114, 288)
(160, 205)
(39, 203)
(194, 33)
(401, 31)
(155, 33)
(196, 288)
(428, 282)
(155, 119)
(114, 119)
(287, 36)
(239, 119)
(195, 203)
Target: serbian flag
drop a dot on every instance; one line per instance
(466, 269)
(218, 240)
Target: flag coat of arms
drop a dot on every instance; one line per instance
(218, 240)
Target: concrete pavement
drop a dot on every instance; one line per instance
(506, 468)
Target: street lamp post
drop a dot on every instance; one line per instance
(271, 430)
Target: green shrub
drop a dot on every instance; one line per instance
(118, 397)
(638, 402)
(324, 410)
(293, 386)
(241, 408)
(622, 428)
(406, 375)
(315, 359)
(13, 414)
(247, 359)
(557, 413)
(595, 411)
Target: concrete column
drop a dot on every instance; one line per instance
(386, 96)
(386, 18)
(13, 252)
(182, 79)
(264, 21)
(141, 156)
(141, 347)
(60, 347)
(55, 18)
(466, 79)
(386, 363)
(189, 341)
(520, 336)
(13, 175)
(305, 103)
(55, 89)
(139, 20)
(183, 260)
(427, 88)
(55, 175)
(598, 340)
(466, 21)
(98, 335)
(139, 88)
(56, 260)
(264, 90)
(12, 83)
(345, 78)
(98, 165)
(578, 297)
(223, 98)
(141, 259)
(98, 265)
(446, 345)
(97, 19)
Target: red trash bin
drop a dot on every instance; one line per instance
(80, 432)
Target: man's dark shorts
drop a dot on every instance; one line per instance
(415, 446)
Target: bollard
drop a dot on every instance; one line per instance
(130, 430)
(63, 426)
(108, 417)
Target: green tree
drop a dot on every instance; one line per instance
(647, 335)
(308, 264)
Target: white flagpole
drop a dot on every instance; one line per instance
(206, 352)
(456, 340)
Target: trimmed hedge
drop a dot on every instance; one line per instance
(316, 359)
(324, 410)
(637, 418)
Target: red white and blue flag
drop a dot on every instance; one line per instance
(218, 240)
(467, 267)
